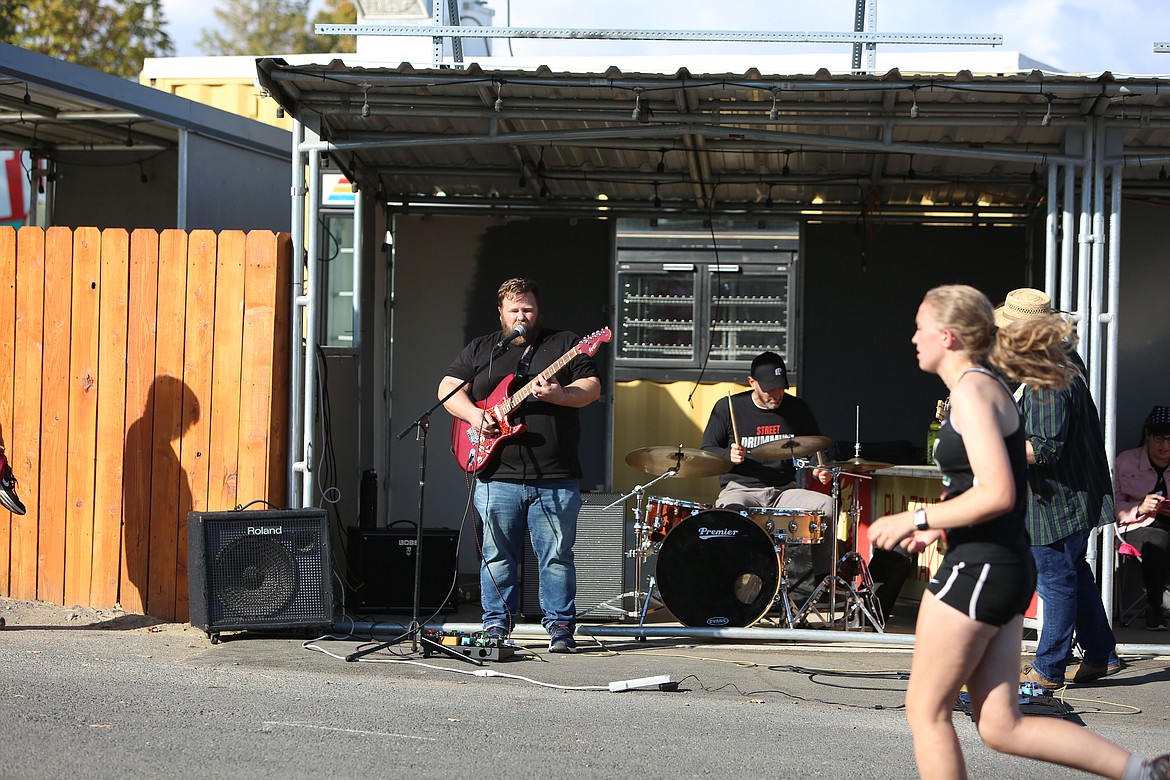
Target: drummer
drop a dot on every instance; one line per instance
(762, 414)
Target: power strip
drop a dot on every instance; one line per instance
(661, 682)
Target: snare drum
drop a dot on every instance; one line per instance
(791, 526)
(663, 514)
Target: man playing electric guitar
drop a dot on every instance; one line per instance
(531, 480)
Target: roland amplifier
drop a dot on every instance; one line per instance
(259, 570)
(603, 536)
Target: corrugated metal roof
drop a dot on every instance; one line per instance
(49, 105)
(748, 143)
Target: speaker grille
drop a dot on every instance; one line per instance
(602, 540)
(259, 569)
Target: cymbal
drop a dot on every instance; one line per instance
(859, 465)
(794, 447)
(689, 462)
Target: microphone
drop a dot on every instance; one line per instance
(518, 331)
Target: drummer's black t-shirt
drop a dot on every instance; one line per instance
(756, 426)
(548, 448)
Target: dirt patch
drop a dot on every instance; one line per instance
(40, 614)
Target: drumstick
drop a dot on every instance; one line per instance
(731, 413)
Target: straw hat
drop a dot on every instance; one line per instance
(1025, 303)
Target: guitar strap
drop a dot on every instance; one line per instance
(525, 360)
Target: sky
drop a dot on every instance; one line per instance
(1086, 36)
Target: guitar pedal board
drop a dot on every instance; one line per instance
(475, 646)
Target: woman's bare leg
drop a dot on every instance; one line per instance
(994, 689)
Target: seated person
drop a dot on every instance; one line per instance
(762, 414)
(1143, 512)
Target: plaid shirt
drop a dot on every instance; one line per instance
(1069, 487)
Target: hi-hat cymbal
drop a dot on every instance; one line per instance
(793, 447)
(689, 462)
(859, 465)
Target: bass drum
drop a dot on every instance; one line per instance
(718, 568)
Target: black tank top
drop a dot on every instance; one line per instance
(1008, 530)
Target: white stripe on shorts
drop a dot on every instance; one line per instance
(950, 580)
(978, 589)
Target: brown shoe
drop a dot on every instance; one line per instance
(1028, 674)
(1087, 672)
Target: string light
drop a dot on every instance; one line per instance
(499, 99)
(637, 112)
(662, 162)
(365, 101)
(774, 114)
(914, 102)
(129, 134)
(1046, 120)
(786, 170)
(27, 97)
(768, 200)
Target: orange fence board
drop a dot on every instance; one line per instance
(82, 403)
(170, 494)
(7, 368)
(278, 426)
(256, 369)
(24, 447)
(55, 415)
(225, 390)
(142, 313)
(111, 419)
(198, 353)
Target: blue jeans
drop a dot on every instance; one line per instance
(547, 510)
(1071, 600)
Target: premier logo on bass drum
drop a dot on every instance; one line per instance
(717, 533)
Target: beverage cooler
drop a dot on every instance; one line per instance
(688, 300)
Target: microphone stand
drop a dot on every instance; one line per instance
(422, 424)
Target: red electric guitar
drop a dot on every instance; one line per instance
(471, 447)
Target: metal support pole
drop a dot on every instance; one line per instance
(296, 455)
(309, 303)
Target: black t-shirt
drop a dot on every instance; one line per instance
(792, 418)
(548, 448)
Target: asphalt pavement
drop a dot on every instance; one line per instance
(128, 697)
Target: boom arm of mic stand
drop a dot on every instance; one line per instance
(422, 418)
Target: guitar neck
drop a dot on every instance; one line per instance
(526, 392)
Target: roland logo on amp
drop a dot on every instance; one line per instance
(265, 530)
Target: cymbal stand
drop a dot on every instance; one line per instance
(641, 552)
(863, 597)
(844, 571)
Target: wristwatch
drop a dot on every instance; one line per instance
(920, 519)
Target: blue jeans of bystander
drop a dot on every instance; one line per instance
(1071, 601)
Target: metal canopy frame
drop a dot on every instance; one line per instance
(1025, 148)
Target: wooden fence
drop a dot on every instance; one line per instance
(142, 375)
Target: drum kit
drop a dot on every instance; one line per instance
(721, 568)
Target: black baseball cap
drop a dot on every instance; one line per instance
(769, 372)
(1158, 421)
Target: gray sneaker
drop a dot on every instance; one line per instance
(560, 638)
